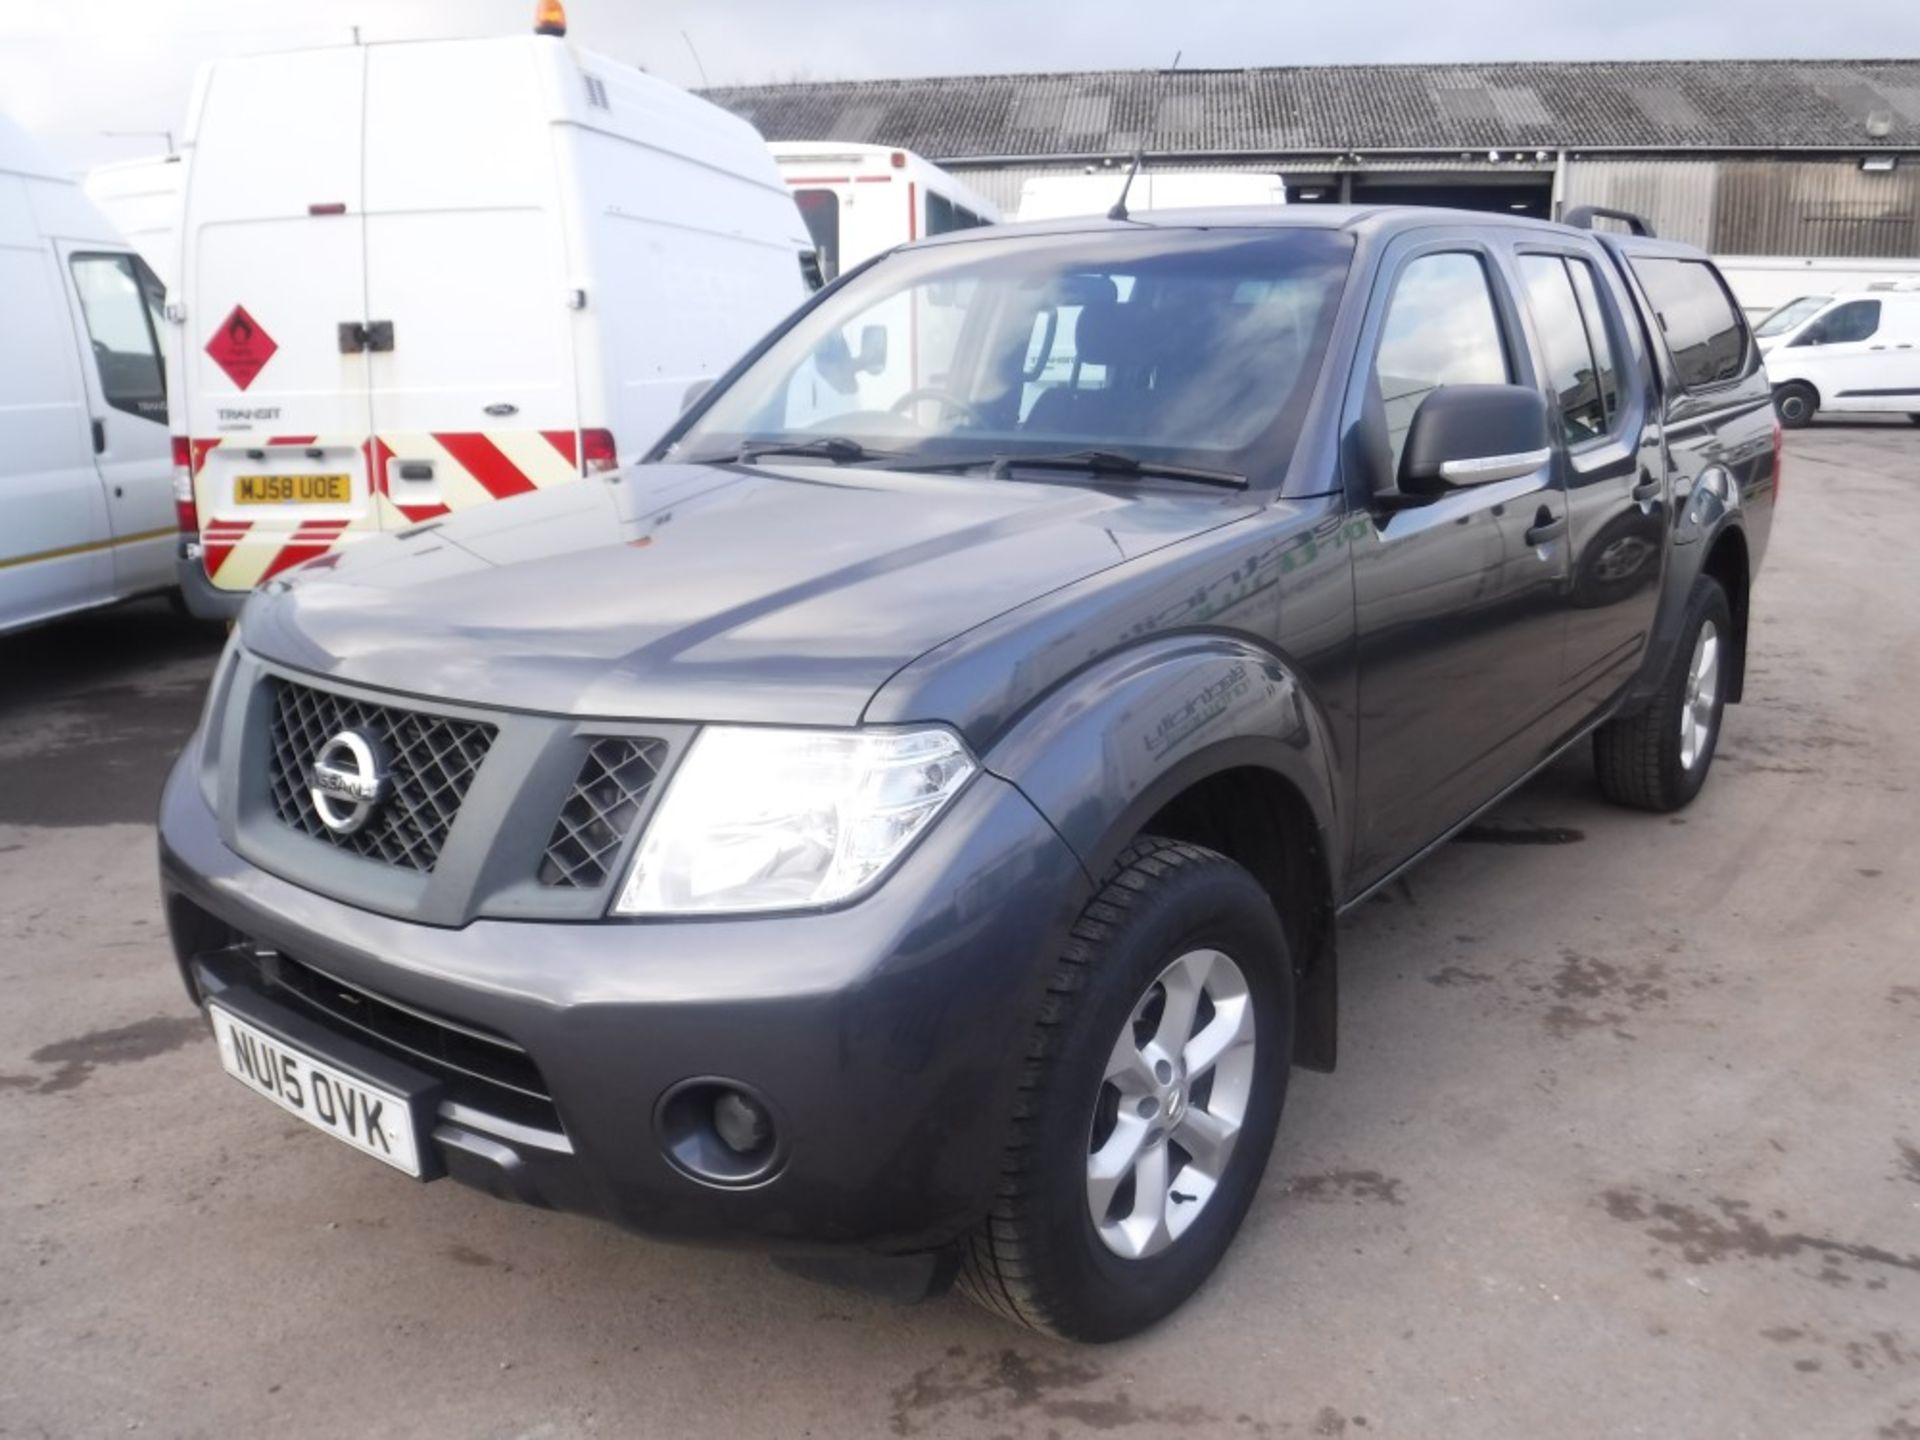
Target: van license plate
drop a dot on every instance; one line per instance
(374, 1121)
(292, 489)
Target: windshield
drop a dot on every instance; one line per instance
(1195, 346)
(1789, 315)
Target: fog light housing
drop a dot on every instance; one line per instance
(719, 1132)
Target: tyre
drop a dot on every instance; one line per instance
(1915, 419)
(1796, 403)
(1155, 1074)
(1658, 759)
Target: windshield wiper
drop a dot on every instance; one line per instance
(1113, 462)
(837, 448)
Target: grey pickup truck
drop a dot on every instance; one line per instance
(902, 824)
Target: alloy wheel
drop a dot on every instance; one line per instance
(1171, 1106)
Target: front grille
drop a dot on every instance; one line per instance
(479, 1068)
(433, 762)
(600, 811)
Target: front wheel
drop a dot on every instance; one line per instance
(1156, 1071)
(1658, 759)
(1796, 403)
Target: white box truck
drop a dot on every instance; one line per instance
(142, 200)
(859, 200)
(1060, 197)
(86, 503)
(452, 272)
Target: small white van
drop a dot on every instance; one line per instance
(859, 200)
(86, 505)
(1060, 197)
(452, 272)
(1857, 352)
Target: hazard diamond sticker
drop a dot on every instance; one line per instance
(240, 347)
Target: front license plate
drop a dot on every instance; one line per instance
(292, 489)
(372, 1120)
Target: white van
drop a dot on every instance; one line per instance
(860, 200)
(453, 272)
(86, 504)
(141, 199)
(1060, 197)
(1857, 352)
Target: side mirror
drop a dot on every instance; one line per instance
(873, 349)
(693, 393)
(1474, 435)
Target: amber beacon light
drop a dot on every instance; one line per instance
(550, 18)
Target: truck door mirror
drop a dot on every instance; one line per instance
(873, 349)
(1474, 435)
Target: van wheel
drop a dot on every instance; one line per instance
(1914, 418)
(1658, 759)
(1156, 1070)
(1796, 403)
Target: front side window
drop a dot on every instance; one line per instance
(821, 210)
(1704, 332)
(1441, 328)
(122, 302)
(1846, 324)
(1163, 344)
(1568, 360)
(1790, 315)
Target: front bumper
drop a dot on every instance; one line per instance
(886, 1037)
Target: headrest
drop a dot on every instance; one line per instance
(1107, 334)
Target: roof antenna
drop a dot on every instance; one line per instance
(1119, 210)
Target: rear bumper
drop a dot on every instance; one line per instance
(886, 1038)
(205, 600)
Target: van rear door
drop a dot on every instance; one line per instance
(273, 266)
(473, 379)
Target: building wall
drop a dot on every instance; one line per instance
(1762, 206)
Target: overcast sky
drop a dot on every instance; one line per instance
(71, 69)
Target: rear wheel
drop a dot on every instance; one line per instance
(1156, 1073)
(1914, 418)
(1796, 403)
(1658, 759)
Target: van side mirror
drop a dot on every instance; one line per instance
(1474, 435)
(873, 349)
(691, 396)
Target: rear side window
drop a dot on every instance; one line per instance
(1704, 333)
(821, 210)
(1441, 329)
(122, 300)
(1843, 325)
(1567, 352)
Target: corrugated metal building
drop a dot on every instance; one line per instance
(1742, 157)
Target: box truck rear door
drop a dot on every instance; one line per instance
(474, 392)
(276, 382)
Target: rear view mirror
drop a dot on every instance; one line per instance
(1474, 435)
(873, 349)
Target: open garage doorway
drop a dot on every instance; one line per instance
(1525, 192)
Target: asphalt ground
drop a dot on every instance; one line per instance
(1624, 1141)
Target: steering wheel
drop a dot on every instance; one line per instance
(966, 409)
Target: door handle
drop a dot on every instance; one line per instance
(374, 335)
(1647, 489)
(99, 437)
(1546, 526)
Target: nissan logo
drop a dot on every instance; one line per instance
(349, 781)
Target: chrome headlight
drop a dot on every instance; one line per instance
(765, 819)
